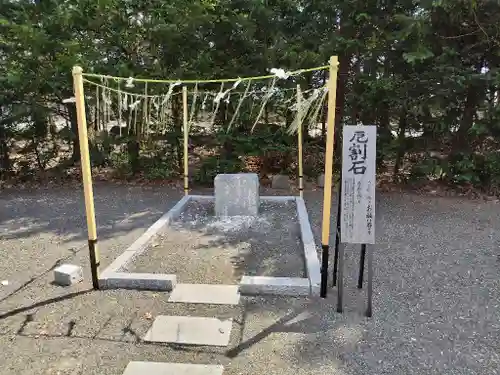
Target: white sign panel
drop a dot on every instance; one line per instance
(357, 220)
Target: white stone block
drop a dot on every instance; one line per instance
(280, 181)
(236, 194)
(68, 274)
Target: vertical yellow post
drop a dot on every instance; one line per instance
(185, 132)
(86, 174)
(327, 193)
(300, 141)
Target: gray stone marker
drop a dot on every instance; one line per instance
(321, 180)
(190, 330)
(236, 194)
(162, 368)
(280, 181)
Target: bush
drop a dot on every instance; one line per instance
(119, 162)
(214, 165)
(160, 170)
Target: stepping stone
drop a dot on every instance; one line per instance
(206, 293)
(162, 368)
(190, 330)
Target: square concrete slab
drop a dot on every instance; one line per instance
(190, 330)
(161, 368)
(205, 293)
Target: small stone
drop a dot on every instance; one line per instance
(5, 282)
(321, 180)
(68, 274)
(280, 181)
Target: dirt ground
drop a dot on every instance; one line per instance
(436, 294)
(200, 248)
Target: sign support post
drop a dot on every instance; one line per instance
(356, 212)
(337, 234)
(361, 266)
(369, 308)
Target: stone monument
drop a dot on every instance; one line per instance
(236, 194)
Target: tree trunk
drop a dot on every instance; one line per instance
(5, 162)
(401, 143)
(356, 104)
(341, 99)
(460, 142)
(324, 112)
(71, 107)
(177, 121)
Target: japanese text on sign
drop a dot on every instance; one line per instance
(357, 221)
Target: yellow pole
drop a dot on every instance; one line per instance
(86, 174)
(327, 193)
(300, 141)
(185, 132)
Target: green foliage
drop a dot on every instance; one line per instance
(160, 165)
(120, 164)
(426, 167)
(244, 143)
(476, 169)
(214, 165)
(430, 68)
(419, 55)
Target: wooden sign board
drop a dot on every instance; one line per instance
(357, 220)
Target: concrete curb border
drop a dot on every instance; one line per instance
(278, 286)
(313, 267)
(113, 277)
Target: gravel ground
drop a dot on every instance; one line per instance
(202, 249)
(436, 301)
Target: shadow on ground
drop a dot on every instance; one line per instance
(61, 213)
(201, 248)
(435, 309)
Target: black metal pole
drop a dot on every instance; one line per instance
(340, 281)
(337, 236)
(361, 266)
(337, 232)
(369, 310)
(324, 270)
